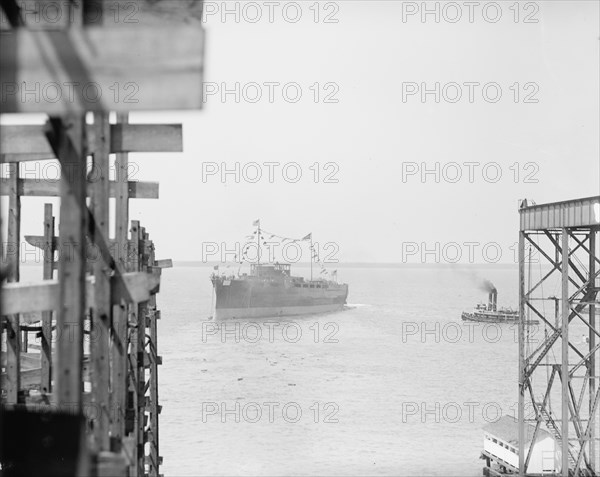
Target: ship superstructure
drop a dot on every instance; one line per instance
(491, 313)
(271, 290)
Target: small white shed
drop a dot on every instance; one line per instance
(501, 444)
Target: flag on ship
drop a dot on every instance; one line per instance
(256, 223)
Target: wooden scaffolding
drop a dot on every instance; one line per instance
(79, 356)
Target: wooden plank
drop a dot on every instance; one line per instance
(152, 348)
(132, 287)
(146, 138)
(37, 401)
(26, 139)
(102, 310)
(67, 139)
(49, 245)
(13, 332)
(31, 377)
(137, 315)
(119, 335)
(20, 143)
(39, 241)
(28, 360)
(31, 318)
(157, 12)
(87, 69)
(47, 188)
(57, 14)
(28, 378)
(25, 157)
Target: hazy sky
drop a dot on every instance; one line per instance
(371, 134)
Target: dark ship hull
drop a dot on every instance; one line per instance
(275, 294)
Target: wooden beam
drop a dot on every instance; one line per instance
(146, 138)
(39, 241)
(19, 143)
(138, 316)
(26, 139)
(119, 335)
(28, 360)
(49, 245)
(88, 69)
(153, 316)
(47, 188)
(58, 15)
(29, 378)
(67, 138)
(161, 12)
(13, 331)
(102, 310)
(25, 157)
(132, 287)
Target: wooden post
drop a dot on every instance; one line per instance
(13, 332)
(122, 201)
(565, 353)
(153, 316)
(24, 340)
(142, 313)
(137, 354)
(101, 314)
(119, 329)
(48, 251)
(67, 140)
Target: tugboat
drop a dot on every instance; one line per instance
(490, 313)
(271, 290)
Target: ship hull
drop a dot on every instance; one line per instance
(493, 318)
(256, 298)
(270, 311)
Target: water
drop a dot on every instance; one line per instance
(387, 398)
(395, 385)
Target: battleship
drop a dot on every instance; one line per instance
(491, 313)
(270, 290)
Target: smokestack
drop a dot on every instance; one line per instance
(492, 300)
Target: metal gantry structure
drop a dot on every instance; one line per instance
(560, 367)
(79, 346)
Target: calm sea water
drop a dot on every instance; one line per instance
(395, 385)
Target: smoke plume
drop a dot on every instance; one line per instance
(487, 286)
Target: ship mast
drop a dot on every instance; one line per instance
(311, 257)
(258, 249)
